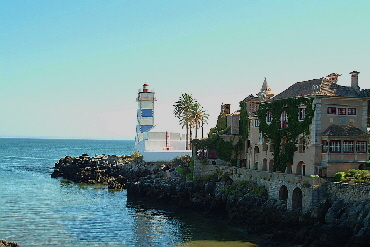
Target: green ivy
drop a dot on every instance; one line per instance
(243, 121)
(293, 130)
(226, 149)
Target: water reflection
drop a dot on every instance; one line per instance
(183, 228)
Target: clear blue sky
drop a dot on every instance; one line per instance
(71, 69)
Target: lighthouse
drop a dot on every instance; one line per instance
(145, 112)
(155, 145)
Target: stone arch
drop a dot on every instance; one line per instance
(255, 165)
(301, 168)
(283, 193)
(271, 165)
(297, 199)
(264, 165)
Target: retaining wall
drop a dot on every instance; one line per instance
(297, 191)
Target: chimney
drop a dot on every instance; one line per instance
(354, 79)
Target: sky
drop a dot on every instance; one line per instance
(72, 69)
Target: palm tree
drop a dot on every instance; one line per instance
(198, 117)
(181, 111)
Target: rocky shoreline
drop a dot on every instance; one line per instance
(333, 223)
(5, 243)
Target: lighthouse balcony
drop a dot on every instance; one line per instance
(146, 99)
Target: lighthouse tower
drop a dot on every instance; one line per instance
(145, 112)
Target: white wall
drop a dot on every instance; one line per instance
(163, 156)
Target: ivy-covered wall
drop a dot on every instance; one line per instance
(227, 150)
(290, 132)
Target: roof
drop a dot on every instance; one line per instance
(251, 97)
(343, 130)
(319, 87)
(298, 89)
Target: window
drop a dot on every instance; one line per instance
(269, 117)
(351, 111)
(264, 144)
(302, 113)
(302, 145)
(325, 146)
(348, 146)
(361, 146)
(284, 120)
(342, 111)
(256, 122)
(334, 146)
(332, 110)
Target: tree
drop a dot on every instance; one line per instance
(182, 110)
(198, 116)
(191, 115)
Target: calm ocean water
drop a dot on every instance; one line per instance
(36, 210)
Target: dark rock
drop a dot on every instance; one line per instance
(5, 243)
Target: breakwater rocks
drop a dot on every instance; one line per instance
(335, 222)
(112, 170)
(4, 243)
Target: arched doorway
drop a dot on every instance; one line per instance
(283, 193)
(301, 168)
(264, 165)
(297, 199)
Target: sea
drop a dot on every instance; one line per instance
(37, 210)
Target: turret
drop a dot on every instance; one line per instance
(266, 92)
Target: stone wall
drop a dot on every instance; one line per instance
(297, 191)
(348, 192)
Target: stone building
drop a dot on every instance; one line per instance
(335, 138)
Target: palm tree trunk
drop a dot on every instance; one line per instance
(191, 136)
(187, 137)
(196, 130)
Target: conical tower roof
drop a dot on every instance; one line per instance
(266, 88)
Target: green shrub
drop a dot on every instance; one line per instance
(340, 176)
(240, 188)
(358, 176)
(182, 160)
(184, 165)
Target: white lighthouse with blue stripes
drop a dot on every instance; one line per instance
(155, 146)
(145, 112)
